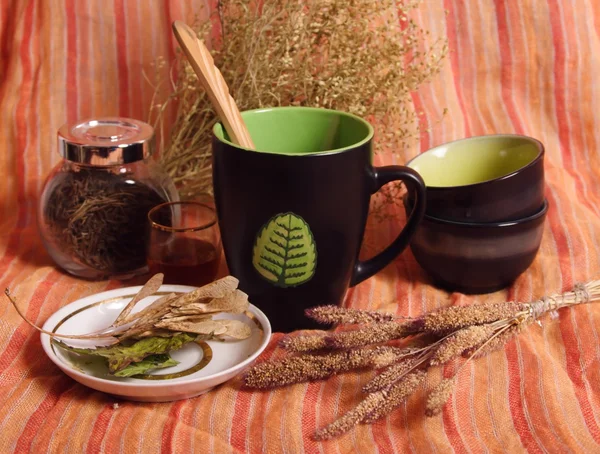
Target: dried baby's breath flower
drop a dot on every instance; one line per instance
(343, 315)
(311, 53)
(396, 394)
(438, 397)
(456, 317)
(460, 341)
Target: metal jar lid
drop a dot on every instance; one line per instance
(106, 141)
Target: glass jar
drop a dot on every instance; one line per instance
(92, 213)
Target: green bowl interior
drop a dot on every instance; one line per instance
(301, 130)
(475, 160)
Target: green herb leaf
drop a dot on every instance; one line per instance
(120, 356)
(285, 252)
(147, 364)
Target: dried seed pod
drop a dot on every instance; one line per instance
(161, 303)
(149, 288)
(216, 289)
(213, 327)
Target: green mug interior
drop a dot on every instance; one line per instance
(301, 130)
(475, 160)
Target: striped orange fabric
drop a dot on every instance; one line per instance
(525, 66)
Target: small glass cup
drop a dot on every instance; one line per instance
(184, 243)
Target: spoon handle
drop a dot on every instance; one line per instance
(212, 80)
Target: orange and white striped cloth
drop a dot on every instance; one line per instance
(525, 66)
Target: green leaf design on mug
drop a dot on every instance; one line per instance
(285, 252)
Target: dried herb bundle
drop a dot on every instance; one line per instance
(359, 56)
(453, 334)
(142, 340)
(99, 218)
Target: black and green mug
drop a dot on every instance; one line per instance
(292, 213)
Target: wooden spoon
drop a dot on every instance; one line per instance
(214, 84)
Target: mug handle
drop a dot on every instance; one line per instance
(415, 184)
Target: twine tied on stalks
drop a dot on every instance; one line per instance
(456, 333)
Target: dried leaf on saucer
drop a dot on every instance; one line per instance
(121, 356)
(146, 365)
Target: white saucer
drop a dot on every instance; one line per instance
(201, 367)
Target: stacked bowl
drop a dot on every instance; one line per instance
(485, 211)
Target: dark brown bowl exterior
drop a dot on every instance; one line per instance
(513, 196)
(477, 258)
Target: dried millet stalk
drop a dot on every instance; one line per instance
(374, 406)
(457, 317)
(385, 356)
(304, 343)
(390, 376)
(301, 368)
(461, 340)
(372, 334)
(497, 342)
(397, 394)
(439, 396)
(447, 333)
(338, 315)
(353, 417)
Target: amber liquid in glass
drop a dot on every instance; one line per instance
(185, 261)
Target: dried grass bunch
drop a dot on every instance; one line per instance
(452, 334)
(360, 56)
